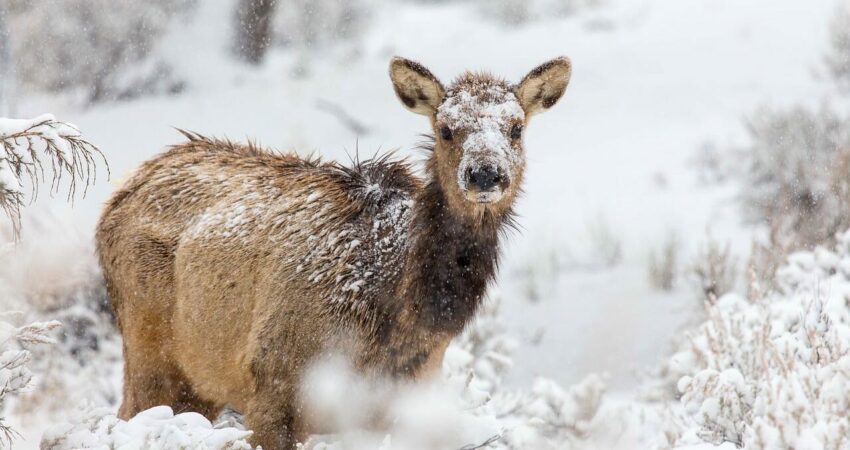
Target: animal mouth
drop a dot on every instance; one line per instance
(484, 197)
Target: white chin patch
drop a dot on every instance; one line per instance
(484, 197)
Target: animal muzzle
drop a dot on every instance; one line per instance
(485, 183)
(484, 178)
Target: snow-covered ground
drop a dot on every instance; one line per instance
(611, 164)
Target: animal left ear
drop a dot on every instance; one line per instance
(544, 85)
(416, 87)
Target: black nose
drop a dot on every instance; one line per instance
(484, 178)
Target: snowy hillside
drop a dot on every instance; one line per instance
(601, 334)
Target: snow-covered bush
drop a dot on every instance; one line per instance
(371, 412)
(517, 12)
(89, 45)
(775, 372)
(790, 183)
(52, 273)
(28, 147)
(546, 416)
(85, 365)
(549, 416)
(485, 349)
(157, 428)
(311, 26)
(15, 375)
(314, 23)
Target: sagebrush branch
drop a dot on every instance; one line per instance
(15, 376)
(27, 146)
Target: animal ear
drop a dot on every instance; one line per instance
(416, 87)
(544, 85)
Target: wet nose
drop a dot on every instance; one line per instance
(484, 178)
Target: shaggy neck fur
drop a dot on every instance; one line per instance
(452, 258)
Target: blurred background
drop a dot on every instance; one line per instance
(699, 143)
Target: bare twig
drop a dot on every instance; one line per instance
(8, 434)
(349, 121)
(492, 440)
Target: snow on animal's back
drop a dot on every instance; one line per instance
(342, 230)
(357, 255)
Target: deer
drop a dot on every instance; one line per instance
(232, 268)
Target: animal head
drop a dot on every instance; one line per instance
(478, 124)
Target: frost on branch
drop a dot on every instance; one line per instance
(157, 428)
(549, 416)
(15, 377)
(775, 373)
(30, 149)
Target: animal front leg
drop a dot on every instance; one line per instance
(274, 420)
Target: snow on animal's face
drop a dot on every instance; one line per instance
(478, 126)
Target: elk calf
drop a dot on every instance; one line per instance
(231, 268)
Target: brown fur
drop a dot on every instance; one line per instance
(231, 269)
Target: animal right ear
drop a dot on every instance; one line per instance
(544, 85)
(416, 87)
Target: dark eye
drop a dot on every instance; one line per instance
(516, 131)
(446, 133)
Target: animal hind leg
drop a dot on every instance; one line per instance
(145, 385)
(189, 400)
(148, 384)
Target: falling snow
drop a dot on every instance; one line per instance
(759, 371)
